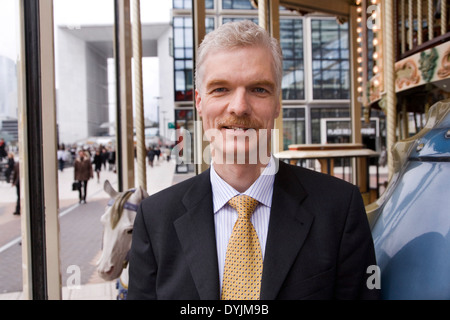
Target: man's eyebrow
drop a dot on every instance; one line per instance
(215, 83)
(263, 83)
(221, 82)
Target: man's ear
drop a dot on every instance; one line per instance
(198, 102)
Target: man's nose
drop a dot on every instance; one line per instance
(239, 104)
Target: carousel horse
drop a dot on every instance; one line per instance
(118, 221)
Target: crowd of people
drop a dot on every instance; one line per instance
(87, 161)
(104, 157)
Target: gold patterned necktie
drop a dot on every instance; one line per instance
(243, 262)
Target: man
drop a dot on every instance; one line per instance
(82, 173)
(308, 238)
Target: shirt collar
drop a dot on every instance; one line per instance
(261, 189)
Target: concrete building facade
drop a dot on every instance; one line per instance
(84, 89)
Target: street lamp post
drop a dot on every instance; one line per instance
(157, 112)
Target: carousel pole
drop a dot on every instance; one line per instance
(200, 145)
(124, 117)
(138, 95)
(269, 19)
(263, 14)
(390, 83)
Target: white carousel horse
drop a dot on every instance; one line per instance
(118, 221)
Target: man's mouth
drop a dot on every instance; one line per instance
(238, 125)
(234, 128)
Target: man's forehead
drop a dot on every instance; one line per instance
(231, 58)
(235, 49)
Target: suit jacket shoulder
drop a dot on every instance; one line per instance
(171, 202)
(173, 253)
(314, 187)
(309, 178)
(319, 243)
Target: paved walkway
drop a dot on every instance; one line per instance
(80, 232)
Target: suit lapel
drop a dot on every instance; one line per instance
(195, 230)
(288, 227)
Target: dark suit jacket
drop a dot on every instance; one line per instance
(319, 244)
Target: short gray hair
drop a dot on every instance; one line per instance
(244, 33)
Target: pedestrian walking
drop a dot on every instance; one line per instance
(112, 160)
(151, 156)
(10, 166)
(16, 182)
(3, 149)
(82, 173)
(105, 157)
(98, 161)
(61, 155)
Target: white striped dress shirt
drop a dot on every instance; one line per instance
(225, 216)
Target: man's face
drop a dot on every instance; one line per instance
(238, 100)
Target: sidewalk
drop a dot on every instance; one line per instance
(159, 177)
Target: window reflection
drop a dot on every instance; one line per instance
(231, 19)
(330, 54)
(293, 126)
(187, 4)
(183, 54)
(291, 41)
(182, 32)
(237, 4)
(317, 114)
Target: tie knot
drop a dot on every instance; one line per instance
(244, 205)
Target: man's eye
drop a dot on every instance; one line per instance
(219, 90)
(260, 90)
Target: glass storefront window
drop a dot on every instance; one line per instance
(293, 126)
(225, 20)
(291, 41)
(330, 60)
(317, 114)
(183, 55)
(237, 4)
(187, 4)
(183, 48)
(184, 120)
